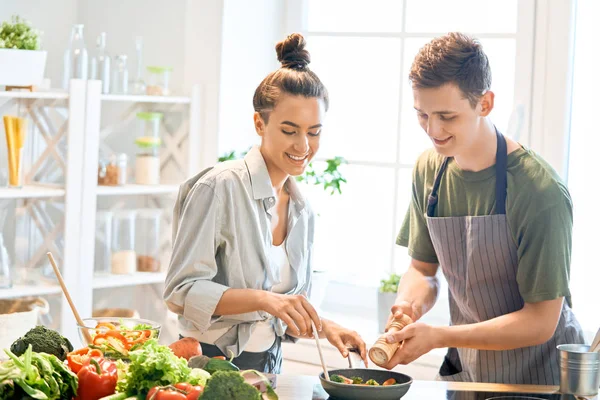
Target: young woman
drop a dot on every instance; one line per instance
(243, 235)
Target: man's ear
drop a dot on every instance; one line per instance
(487, 103)
(259, 124)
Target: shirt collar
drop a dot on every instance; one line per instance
(260, 180)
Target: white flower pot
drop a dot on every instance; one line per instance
(22, 67)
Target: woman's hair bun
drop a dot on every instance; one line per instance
(291, 53)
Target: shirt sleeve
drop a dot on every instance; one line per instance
(189, 289)
(544, 253)
(414, 233)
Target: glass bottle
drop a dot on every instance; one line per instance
(75, 58)
(138, 85)
(100, 64)
(120, 76)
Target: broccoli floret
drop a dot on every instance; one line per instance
(229, 385)
(43, 340)
(356, 380)
(372, 382)
(336, 378)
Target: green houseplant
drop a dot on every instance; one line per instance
(22, 63)
(386, 296)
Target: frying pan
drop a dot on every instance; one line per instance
(345, 391)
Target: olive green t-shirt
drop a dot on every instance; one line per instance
(538, 208)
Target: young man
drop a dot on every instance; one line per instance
(497, 219)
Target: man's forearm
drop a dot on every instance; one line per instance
(529, 326)
(418, 289)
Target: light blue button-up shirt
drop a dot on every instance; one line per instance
(221, 240)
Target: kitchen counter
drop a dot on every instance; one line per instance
(300, 387)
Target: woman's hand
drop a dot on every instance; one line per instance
(295, 310)
(344, 339)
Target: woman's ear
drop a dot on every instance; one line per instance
(487, 103)
(259, 124)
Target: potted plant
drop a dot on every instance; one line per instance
(331, 179)
(386, 296)
(22, 63)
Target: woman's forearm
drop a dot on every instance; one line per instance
(240, 301)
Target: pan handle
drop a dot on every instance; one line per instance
(354, 359)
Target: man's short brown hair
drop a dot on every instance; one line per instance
(453, 58)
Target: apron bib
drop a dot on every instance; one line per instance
(479, 260)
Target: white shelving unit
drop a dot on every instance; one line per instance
(76, 117)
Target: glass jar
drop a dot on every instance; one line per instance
(120, 76)
(102, 254)
(5, 277)
(158, 81)
(113, 172)
(147, 246)
(123, 259)
(147, 160)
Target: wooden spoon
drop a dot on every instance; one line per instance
(87, 335)
(316, 334)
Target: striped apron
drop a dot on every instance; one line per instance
(478, 257)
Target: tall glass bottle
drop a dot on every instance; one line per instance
(120, 75)
(138, 85)
(75, 58)
(100, 64)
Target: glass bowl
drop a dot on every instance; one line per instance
(115, 336)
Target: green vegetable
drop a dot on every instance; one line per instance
(212, 365)
(372, 382)
(39, 375)
(336, 378)
(198, 377)
(356, 380)
(152, 365)
(43, 340)
(229, 385)
(18, 34)
(270, 393)
(140, 327)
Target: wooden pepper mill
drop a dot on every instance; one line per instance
(381, 352)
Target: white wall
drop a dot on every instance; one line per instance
(54, 18)
(250, 32)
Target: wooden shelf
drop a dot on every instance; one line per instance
(29, 290)
(31, 192)
(139, 278)
(146, 99)
(130, 190)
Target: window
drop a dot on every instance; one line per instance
(585, 272)
(363, 52)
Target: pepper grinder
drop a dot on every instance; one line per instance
(382, 351)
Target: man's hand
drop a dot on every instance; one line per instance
(402, 308)
(419, 339)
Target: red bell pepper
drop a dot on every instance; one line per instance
(97, 379)
(78, 358)
(180, 391)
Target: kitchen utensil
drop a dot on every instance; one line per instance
(382, 351)
(595, 346)
(68, 296)
(579, 370)
(316, 335)
(356, 392)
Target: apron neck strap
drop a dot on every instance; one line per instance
(501, 163)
